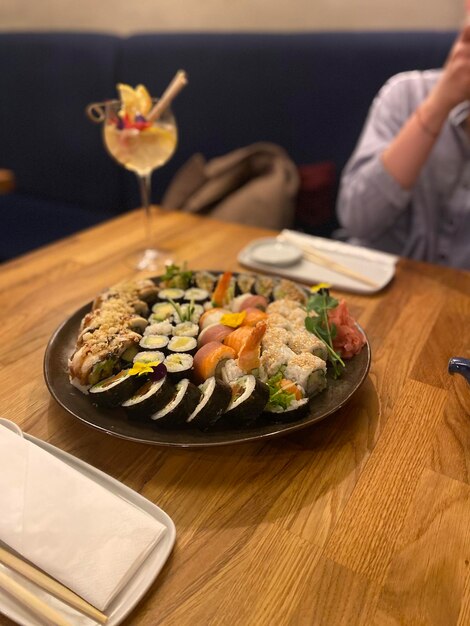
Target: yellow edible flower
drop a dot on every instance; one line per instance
(140, 367)
(317, 288)
(234, 320)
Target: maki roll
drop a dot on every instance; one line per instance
(113, 391)
(154, 342)
(302, 341)
(205, 280)
(245, 283)
(196, 294)
(210, 359)
(214, 400)
(264, 286)
(308, 371)
(178, 365)
(186, 345)
(162, 311)
(171, 293)
(295, 411)
(149, 356)
(289, 290)
(175, 413)
(149, 398)
(249, 397)
(189, 312)
(159, 328)
(287, 401)
(185, 329)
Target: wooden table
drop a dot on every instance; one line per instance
(363, 518)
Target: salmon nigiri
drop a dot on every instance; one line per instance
(209, 359)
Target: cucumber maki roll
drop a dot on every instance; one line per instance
(185, 329)
(249, 397)
(197, 295)
(214, 401)
(178, 365)
(187, 345)
(182, 404)
(171, 293)
(114, 390)
(149, 398)
(154, 342)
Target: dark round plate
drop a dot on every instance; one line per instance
(114, 421)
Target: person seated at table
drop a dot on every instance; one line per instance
(406, 188)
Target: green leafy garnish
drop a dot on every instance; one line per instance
(176, 276)
(278, 397)
(185, 314)
(320, 303)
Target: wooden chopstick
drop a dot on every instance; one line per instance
(325, 261)
(49, 584)
(31, 601)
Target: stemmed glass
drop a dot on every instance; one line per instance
(140, 144)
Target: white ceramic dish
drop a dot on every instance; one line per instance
(273, 252)
(129, 597)
(377, 266)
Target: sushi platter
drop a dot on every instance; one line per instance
(196, 359)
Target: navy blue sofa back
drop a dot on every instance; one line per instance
(306, 92)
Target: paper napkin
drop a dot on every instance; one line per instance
(81, 534)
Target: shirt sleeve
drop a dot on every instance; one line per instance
(370, 200)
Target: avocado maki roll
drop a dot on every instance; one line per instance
(182, 404)
(154, 342)
(149, 398)
(161, 312)
(149, 356)
(178, 365)
(214, 401)
(249, 397)
(114, 390)
(187, 345)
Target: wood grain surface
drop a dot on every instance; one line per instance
(360, 520)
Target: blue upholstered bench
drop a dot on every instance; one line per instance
(306, 92)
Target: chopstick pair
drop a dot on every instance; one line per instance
(325, 261)
(47, 583)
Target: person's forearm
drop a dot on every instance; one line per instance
(408, 152)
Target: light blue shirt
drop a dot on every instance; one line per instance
(430, 222)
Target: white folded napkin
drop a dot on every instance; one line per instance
(81, 534)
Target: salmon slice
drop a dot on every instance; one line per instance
(209, 359)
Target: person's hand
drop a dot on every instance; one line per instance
(454, 84)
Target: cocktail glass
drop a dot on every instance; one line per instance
(141, 147)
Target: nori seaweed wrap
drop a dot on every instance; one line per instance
(214, 401)
(115, 390)
(182, 404)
